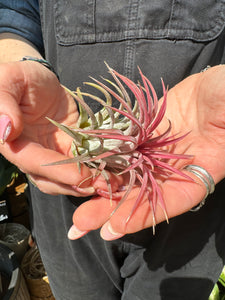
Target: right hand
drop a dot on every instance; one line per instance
(195, 105)
(29, 93)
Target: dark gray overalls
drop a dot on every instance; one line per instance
(170, 39)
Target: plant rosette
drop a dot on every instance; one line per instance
(125, 140)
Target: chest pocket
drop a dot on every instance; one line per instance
(93, 21)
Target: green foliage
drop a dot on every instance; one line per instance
(218, 292)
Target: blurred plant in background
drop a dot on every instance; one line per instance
(218, 292)
(8, 172)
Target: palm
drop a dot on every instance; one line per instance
(197, 105)
(31, 93)
(47, 99)
(40, 95)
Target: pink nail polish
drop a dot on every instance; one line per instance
(108, 234)
(5, 128)
(74, 233)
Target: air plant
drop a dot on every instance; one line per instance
(124, 140)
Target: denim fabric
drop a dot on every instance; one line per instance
(93, 21)
(182, 261)
(169, 39)
(22, 18)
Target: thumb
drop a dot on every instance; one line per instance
(11, 89)
(11, 124)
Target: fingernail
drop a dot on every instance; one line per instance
(74, 233)
(108, 234)
(87, 190)
(5, 128)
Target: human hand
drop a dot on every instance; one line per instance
(29, 93)
(197, 104)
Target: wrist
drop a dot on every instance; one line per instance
(42, 61)
(13, 47)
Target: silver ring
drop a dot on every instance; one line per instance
(206, 179)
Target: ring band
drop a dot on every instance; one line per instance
(206, 179)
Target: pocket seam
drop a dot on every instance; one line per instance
(146, 32)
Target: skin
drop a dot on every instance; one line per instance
(29, 92)
(27, 102)
(197, 104)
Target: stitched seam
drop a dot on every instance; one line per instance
(171, 16)
(132, 26)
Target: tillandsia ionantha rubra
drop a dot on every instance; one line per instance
(124, 140)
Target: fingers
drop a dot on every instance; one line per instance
(11, 90)
(179, 197)
(11, 124)
(54, 188)
(177, 201)
(74, 233)
(32, 159)
(5, 128)
(102, 182)
(98, 212)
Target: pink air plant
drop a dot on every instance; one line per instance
(124, 140)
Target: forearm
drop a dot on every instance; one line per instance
(13, 47)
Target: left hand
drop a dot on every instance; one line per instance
(197, 104)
